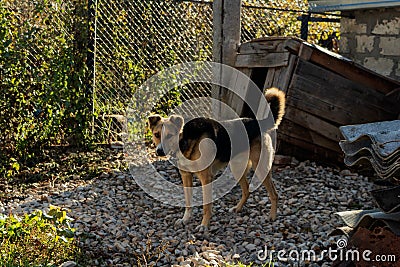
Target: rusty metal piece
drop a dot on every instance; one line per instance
(382, 243)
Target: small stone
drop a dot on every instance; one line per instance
(251, 247)
(104, 175)
(282, 160)
(68, 264)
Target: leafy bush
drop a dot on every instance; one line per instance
(43, 47)
(37, 239)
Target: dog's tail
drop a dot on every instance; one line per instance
(277, 101)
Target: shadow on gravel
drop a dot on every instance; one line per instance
(118, 223)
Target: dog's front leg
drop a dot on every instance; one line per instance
(187, 180)
(205, 179)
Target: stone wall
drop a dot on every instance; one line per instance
(372, 39)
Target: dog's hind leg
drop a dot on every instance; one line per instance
(273, 195)
(265, 175)
(187, 180)
(244, 185)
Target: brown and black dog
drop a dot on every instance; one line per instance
(187, 141)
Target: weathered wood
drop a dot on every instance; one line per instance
(313, 105)
(269, 80)
(280, 77)
(323, 89)
(286, 74)
(217, 30)
(313, 123)
(262, 46)
(305, 52)
(301, 133)
(226, 38)
(340, 91)
(269, 60)
(304, 150)
(231, 30)
(235, 101)
(346, 68)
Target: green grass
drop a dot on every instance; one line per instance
(37, 239)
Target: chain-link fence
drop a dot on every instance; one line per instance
(50, 92)
(43, 81)
(136, 39)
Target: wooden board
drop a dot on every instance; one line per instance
(340, 93)
(235, 101)
(345, 67)
(313, 123)
(269, 60)
(324, 91)
(303, 150)
(343, 88)
(301, 133)
(262, 46)
(281, 77)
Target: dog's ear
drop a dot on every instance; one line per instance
(153, 119)
(177, 121)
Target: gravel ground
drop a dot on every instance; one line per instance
(119, 224)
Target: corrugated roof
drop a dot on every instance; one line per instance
(339, 5)
(378, 143)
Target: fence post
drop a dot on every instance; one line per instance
(91, 58)
(304, 26)
(226, 39)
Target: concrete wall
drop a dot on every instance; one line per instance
(372, 39)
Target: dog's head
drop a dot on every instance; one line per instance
(165, 133)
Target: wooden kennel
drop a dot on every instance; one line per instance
(324, 91)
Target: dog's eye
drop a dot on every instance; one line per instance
(168, 136)
(157, 135)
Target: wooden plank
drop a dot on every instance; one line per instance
(313, 123)
(304, 150)
(262, 60)
(226, 38)
(347, 68)
(233, 100)
(269, 80)
(340, 91)
(217, 30)
(305, 52)
(231, 22)
(265, 46)
(299, 132)
(280, 77)
(312, 105)
(286, 74)
(334, 101)
(330, 112)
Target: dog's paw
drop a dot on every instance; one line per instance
(201, 229)
(272, 217)
(235, 209)
(180, 223)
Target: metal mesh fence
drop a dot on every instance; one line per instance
(136, 39)
(42, 77)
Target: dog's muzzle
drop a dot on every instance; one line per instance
(160, 151)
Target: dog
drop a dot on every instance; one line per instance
(188, 138)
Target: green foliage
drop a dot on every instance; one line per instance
(43, 78)
(37, 239)
(46, 97)
(258, 23)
